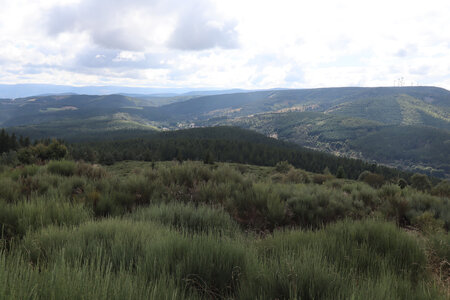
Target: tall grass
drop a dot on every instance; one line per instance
(194, 231)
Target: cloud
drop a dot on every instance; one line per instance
(108, 58)
(422, 70)
(136, 25)
(197, 30)
(233, 43)
(407, 51)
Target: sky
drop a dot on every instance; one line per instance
(225, 44)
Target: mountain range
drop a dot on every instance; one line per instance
(406, 127)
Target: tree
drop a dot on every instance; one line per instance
(402, 183)
(208, 158)
(56, 150)
(340, 172)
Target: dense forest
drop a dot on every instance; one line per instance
(225, 144)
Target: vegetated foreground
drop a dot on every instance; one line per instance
(189, 230)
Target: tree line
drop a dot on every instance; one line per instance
(225, 144)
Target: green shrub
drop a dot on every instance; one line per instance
(90, 171)
(283, 166)
(63, 167)
(9, 190)
(374, 180)
(442, 189)
(17, 219)
(201, 262)
(420, 182)
(344, 260)
(80, 280)
(321, 178)
(188, 217)
(314, 206)
(427, 223)
(24, 171)
(296, 176)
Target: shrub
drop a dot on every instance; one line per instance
(340, 173)
(442, 189)
(420, 182)
(296, 176)
(427, 223)
(374, 180)
(202, 263)
(314, 206)
(63, 167)
(24, 171)
(187, 217)
(17, 219)
(283, 167)
(9, 190)
(402, 183)
(320, 178)
(94, 172)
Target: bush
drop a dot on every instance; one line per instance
(420, 182)
(314, 206)
(442, 189)
(63, 167)
(402, 183)
(17, 219)
(427, 223)
(283, 167)
(372, 179)
(187, 217)
(296, 176)
(94, 172)
(9, 190)
(202, 263)
(321, 178)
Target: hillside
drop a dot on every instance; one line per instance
(414, 148)
(401, 105)
(341, 121)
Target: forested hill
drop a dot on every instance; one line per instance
(398, 104)
(390, 105)
(345, 121)
(226, 144)
(412, 147)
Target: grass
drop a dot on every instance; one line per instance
(194, 231)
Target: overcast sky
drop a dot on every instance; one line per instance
(225, 44)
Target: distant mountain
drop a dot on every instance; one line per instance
(345, 121)
(28, 90)
(390, 105)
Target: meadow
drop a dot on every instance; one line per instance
(189, 230)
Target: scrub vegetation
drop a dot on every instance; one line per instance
(213, 230)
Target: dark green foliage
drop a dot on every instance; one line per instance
(42, 152)
(224, 144)
(402, 183)
(340, 173)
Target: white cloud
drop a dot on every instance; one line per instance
(225, 44)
